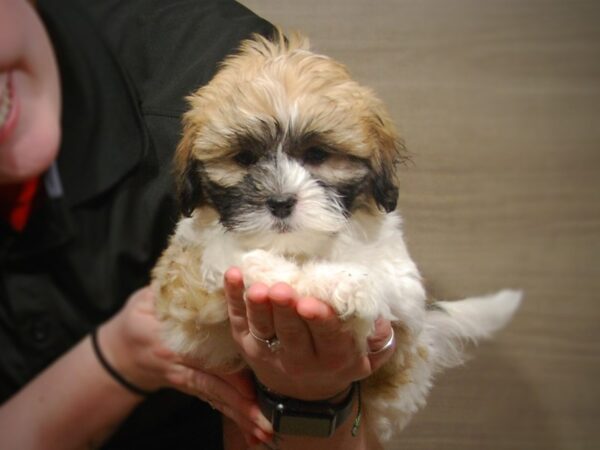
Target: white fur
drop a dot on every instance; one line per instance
(335, 244)
(364, 271)
(469, 320)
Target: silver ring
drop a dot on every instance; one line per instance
(388, 344)
(272, 343)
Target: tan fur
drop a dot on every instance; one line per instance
(181, 298)
(242, 98)
(280, 100)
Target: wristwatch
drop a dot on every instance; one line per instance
(304, 418)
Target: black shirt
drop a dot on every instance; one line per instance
(99, 226)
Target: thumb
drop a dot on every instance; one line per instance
(242, 381)
(381, 344)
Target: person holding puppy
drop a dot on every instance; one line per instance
(91, 95)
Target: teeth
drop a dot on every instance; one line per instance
(5, 98)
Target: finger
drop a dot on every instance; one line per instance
(234, 294)
(332, 341)
(251, 440)
(381, 344)
(242, 382)
(243, 421)
(221, 395)
(248, 417)
(234, 432)
(252, 434)
(290, 328)
(260, 314)
(144, 299)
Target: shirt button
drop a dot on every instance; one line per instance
(39, 330)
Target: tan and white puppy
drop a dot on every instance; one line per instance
(287, 169)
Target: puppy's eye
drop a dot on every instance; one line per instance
(315, 156)
(245, 158)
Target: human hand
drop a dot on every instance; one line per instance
(318, 357)
(131, 343)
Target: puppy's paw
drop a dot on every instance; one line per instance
(260, 266)
(349, 294)
(345, 287)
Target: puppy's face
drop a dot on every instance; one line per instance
(283, 141)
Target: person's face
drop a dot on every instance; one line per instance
(29, 94)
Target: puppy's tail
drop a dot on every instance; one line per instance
(450, 325)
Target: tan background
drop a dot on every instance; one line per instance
(499, 102)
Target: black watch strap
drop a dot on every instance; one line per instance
(304, 418)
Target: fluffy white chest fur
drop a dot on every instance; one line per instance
(364, 272)
(287, 169)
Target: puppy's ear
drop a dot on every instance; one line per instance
(190, 188)
(385, 191)
(389, 155)
(187, 174)
(450, 325)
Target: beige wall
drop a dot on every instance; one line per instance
(499, 102)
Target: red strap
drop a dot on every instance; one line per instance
(16, 203)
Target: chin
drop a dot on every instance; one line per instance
(288, 169)
(21, 168)
(29, 151)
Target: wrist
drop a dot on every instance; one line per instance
(340, 396)
(318, 418)
(337, 397)
(104, 348)
(311, 390)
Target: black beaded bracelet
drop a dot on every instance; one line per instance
(111, 370)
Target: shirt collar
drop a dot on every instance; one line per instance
(48, 228)
(103, 135)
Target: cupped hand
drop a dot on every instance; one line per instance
(131, 341)
(317, 358)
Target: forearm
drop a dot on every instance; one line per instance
(47, 413)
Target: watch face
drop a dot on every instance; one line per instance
(313, 425)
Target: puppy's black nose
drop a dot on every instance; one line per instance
(281, 205)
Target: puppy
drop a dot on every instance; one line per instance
(288, 169)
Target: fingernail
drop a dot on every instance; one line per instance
(262, 436)
(264, 424)
(251, 440)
